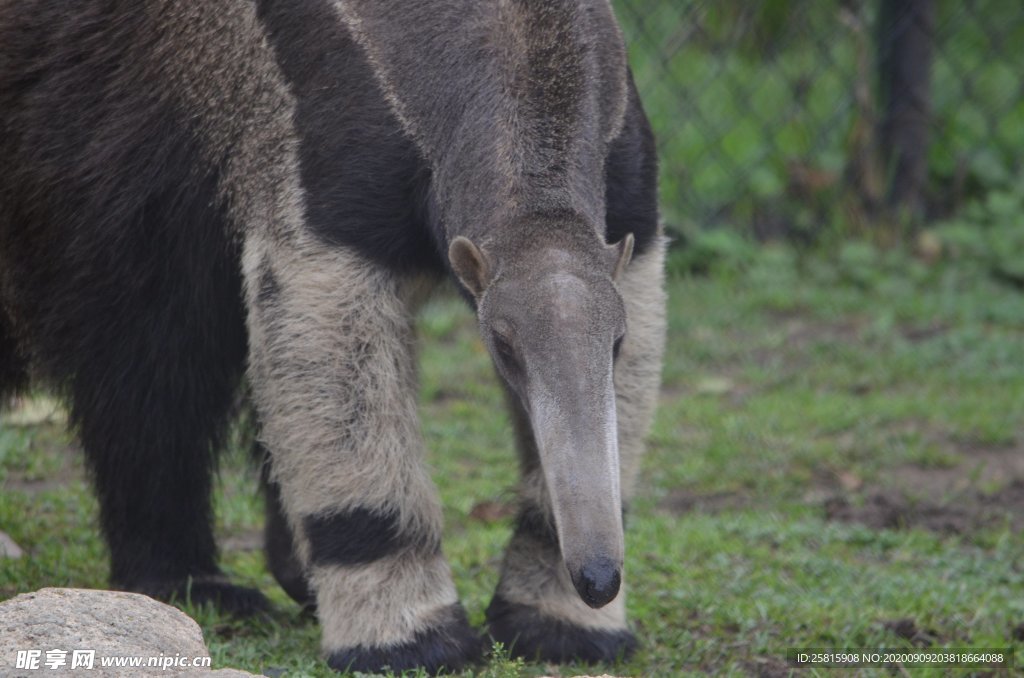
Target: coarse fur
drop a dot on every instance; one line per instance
(535, 610)
(121, 198)
(199, 190)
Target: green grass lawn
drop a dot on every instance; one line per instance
(838, 461)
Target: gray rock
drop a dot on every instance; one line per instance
(111, 623)
(8, 549)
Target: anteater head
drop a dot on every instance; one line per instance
(552, 319)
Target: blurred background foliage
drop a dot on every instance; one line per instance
(792, 120)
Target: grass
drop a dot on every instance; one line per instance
(800, 395)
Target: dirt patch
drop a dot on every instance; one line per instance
(804, 330)
(492, 511)
(973, 463)
(802, 333)
(978, 469)
(681, 500)
(908, 630)
(985, 489)
(960, 514)
(886, 509)
(916, 334)
(980, 485)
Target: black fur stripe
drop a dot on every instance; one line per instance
(529, 634)
(365, 184)
(359, 536)
(533, 522)
(631, 176)
(449, 645)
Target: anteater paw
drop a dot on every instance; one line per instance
(526, 632)
(449, 645)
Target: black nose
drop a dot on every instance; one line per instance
(597, 581)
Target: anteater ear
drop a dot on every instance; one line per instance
(620, 253)
(470, 265)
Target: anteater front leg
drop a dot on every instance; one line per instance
(334, 382)
(536, 610)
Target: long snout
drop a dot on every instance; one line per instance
(577, 439)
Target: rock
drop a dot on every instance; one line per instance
(8, 549)
(113, 624)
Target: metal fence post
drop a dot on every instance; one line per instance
(906, 31)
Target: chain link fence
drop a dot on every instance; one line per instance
(784, 118)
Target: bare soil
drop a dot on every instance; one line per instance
(985, 489)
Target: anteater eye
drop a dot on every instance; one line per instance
(616, 347)
(504, 351)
